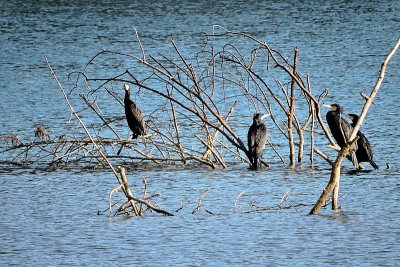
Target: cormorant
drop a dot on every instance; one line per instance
(364, 151)
(341, 130)
(133, 115)
(256, 139)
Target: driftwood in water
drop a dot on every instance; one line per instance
(133, 201)
(187, 101)
(122, 180)
(334, 181)
(186, 104)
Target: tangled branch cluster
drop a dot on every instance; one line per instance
(195, 109)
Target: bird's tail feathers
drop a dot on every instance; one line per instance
(374, 164)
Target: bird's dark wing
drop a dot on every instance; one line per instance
(260, 140)
(364, 152)
(346, 130)
(251, 137)
(134, 117)
(364, 146)
(137, 114)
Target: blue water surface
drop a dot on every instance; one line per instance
(51, 218)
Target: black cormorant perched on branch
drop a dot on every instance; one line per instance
(133, 115)
(256, 139)
(364, 150)
(341, 130)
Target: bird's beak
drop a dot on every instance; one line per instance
(263, 117)
(126, 87)
(328, 106)
(350, 116)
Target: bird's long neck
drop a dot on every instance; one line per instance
(354, 122)
(127, 96)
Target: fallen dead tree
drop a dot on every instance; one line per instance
(134, 205)
(132, 201)
(201, 107)
(196, 107)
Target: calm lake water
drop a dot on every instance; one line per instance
(50, 218)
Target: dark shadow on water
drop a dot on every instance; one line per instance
(357, 172)
(339, 215)
(90, 167)
(260, 169)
